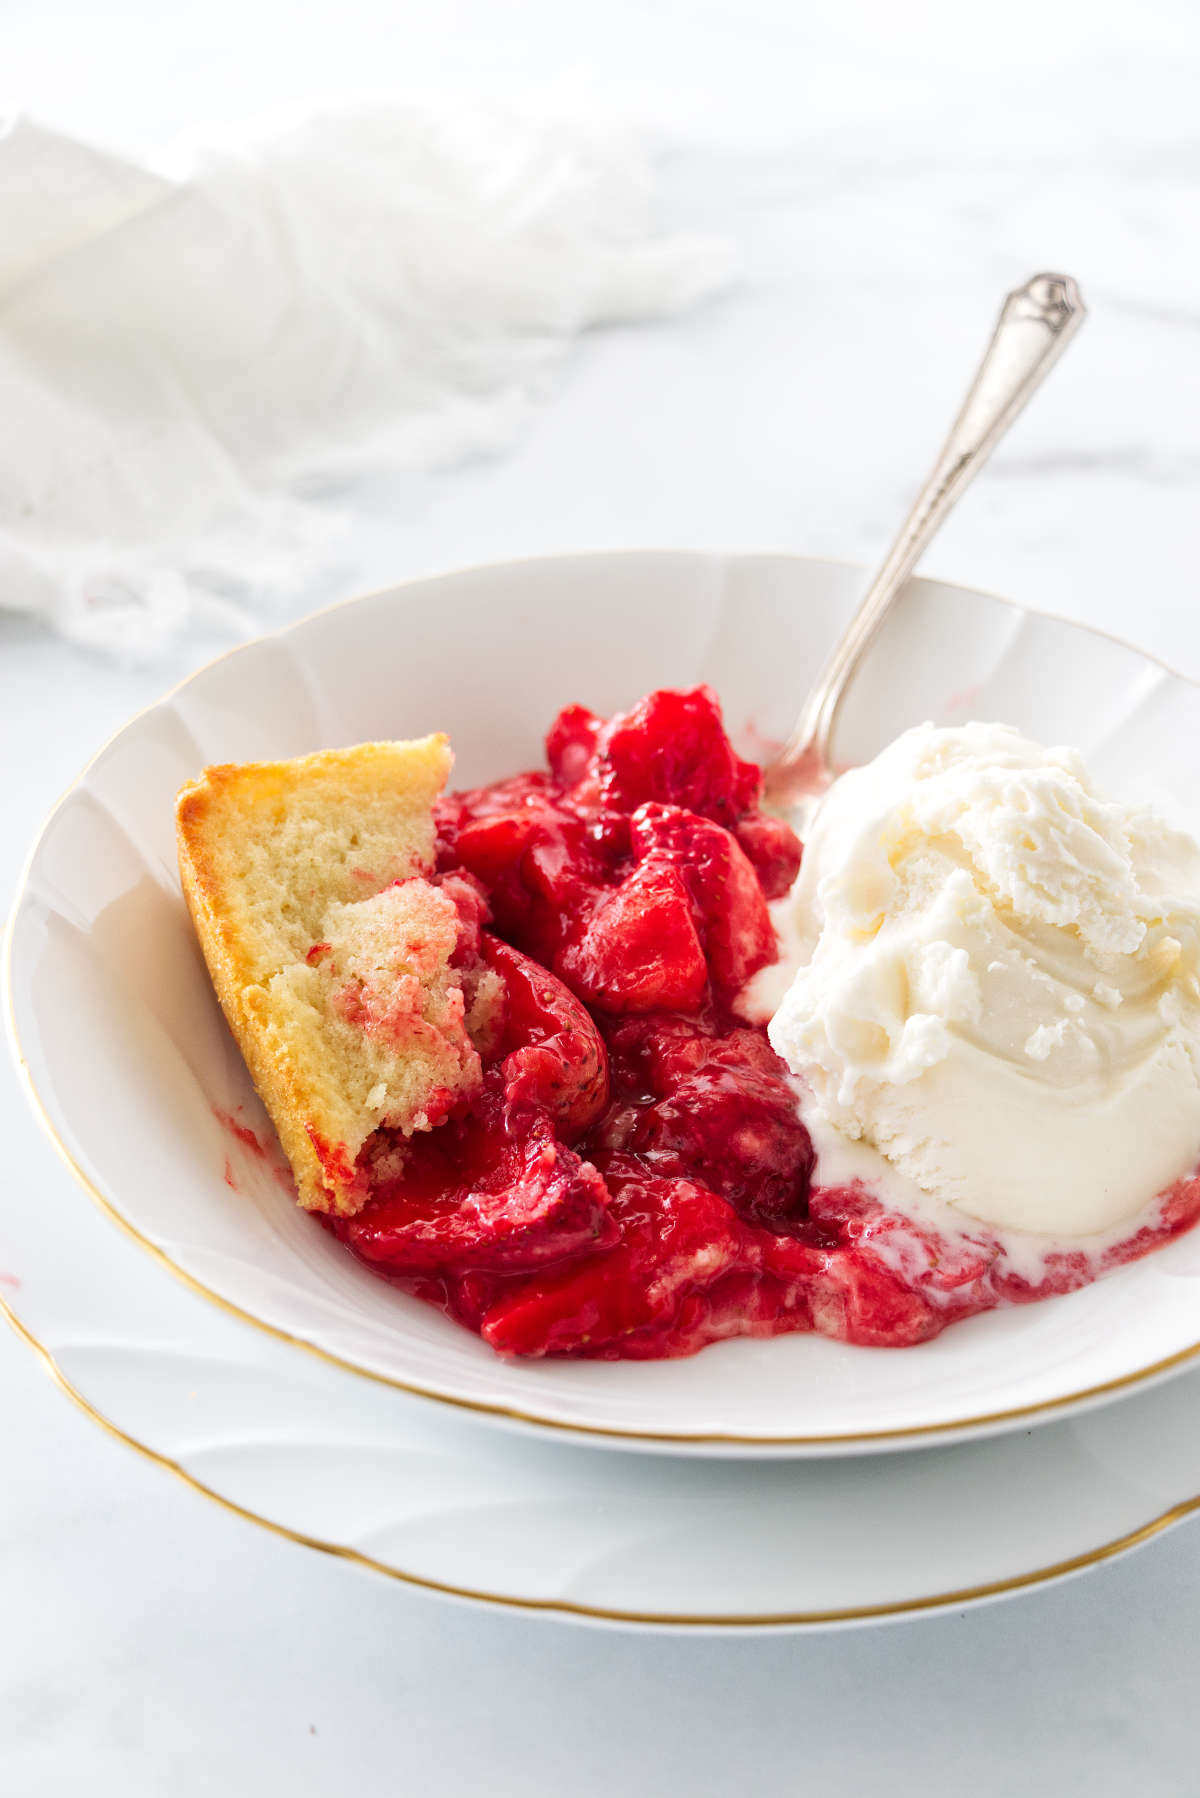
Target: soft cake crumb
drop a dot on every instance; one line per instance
(332, 950)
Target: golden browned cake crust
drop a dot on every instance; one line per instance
(329, 949)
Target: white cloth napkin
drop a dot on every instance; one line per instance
(346, 286)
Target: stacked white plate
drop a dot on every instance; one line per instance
(796, 1483)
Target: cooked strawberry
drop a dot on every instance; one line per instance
(650, 1053)
(677, 1240)
(773, 849)
(639, 950)
(490, 845)
(850, 1295)
(553, 1055)
(571, 742)
(560, 865)
(528, 1203)
(731, 1122)
(504, 798)
(672, 748)
(735, 925)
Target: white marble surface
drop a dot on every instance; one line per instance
(888, 171)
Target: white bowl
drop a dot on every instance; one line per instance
(129, 1060)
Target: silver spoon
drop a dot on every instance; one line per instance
(1036, 323)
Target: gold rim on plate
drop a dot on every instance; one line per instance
(566, 1608)
(511, 1412)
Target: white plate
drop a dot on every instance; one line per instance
(426, 1494)
(129, 1058)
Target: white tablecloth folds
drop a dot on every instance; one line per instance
(189, 343)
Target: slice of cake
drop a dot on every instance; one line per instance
(349, 978)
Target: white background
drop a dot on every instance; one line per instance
(888, 169)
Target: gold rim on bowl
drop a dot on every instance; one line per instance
(985, 1421)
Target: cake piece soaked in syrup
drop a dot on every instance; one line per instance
(351, 980)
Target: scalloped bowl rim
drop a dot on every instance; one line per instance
(604, 1427)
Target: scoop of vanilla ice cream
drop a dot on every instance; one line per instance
(999, 989)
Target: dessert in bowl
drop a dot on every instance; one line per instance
(754, 1242)
(513, 1038)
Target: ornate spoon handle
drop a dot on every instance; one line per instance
(1035, 325)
